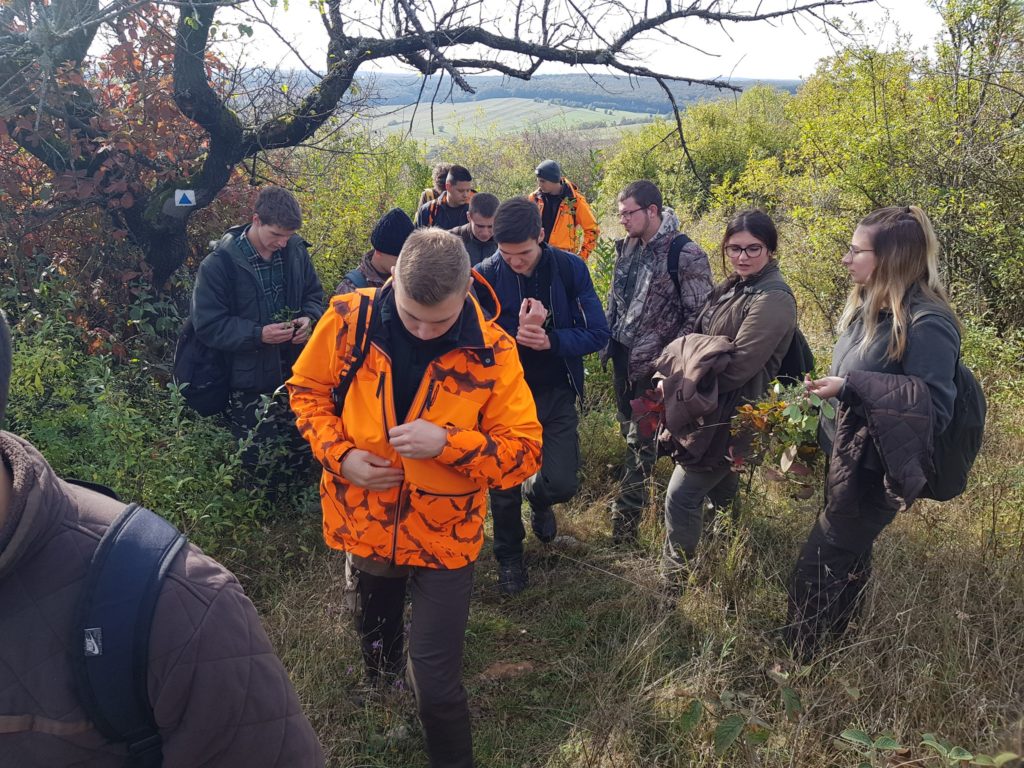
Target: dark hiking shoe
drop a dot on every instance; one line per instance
(513, 577)
(544, 525)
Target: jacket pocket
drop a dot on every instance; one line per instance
(446, 409)
(442, 529)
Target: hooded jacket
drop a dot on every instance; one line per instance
(578, 324)
(655, 312)
(220, 695)
(476, 391)
(573, 218)
(229, 315)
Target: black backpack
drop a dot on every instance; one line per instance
(958, 445)
(110, 646)
(203, 373)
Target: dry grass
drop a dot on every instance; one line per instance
(609, 667)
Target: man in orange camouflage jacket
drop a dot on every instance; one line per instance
(437, 414)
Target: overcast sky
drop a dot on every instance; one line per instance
(781, 50)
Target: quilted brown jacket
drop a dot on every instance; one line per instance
(884, 424)
(220, 695)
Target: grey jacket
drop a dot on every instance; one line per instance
(654, 312)
(478, 251)
(219, 693)
(933, 346)
(229, 315)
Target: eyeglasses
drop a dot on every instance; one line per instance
(623, 215)
(855, 251)
(752, 251)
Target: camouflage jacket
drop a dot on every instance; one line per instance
(655, 313)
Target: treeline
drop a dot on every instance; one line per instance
(594, 92)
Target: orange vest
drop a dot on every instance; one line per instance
(476, 391)
(573, 215)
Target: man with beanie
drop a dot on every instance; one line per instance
(219, 694)
(256, 299)
(549, 305)
(478, 233)
(565, 215)
(387, 239)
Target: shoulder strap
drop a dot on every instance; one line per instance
(357, 278)
(675, 248)
(110, 649)
(359, 346)
(565, 272)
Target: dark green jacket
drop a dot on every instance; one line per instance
(228, 313)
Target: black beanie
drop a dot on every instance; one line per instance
(5, 365)
(549, 170)
(391, 232)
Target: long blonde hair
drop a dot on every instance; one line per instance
(906, 255)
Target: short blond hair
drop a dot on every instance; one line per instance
(432, 266)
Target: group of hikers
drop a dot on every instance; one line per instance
(444, 377)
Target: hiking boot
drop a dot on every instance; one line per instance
(544, 524)
(513, 577)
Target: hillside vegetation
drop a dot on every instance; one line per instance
(435, 123)
(595, 666)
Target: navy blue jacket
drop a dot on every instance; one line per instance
(579, 325)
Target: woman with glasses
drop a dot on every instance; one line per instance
(897, 320)
(754, 309)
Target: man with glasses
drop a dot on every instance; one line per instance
(660, 282)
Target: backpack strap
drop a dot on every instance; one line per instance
(357, 278)
(110, 648)
(359, 346)
(678, 243)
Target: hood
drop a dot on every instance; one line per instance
(35, 505)
(669, 223)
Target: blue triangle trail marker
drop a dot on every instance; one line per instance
(184, 197)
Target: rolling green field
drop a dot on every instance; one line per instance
(442, 121)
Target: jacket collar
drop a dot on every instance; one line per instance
(471, 321)
(36, 506)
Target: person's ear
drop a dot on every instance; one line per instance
(540, 238)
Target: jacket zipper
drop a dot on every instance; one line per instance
(382, 394)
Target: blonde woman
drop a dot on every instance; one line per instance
(897, 320)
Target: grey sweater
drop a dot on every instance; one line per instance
(933, 346)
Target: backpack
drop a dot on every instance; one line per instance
(110, 647)
(675, 248)
(957, 446)
(357, 278)
(203, 373)
(799, 358)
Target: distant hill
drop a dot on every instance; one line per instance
(570, 90)
(503, 115)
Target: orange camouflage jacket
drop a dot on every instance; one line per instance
(573, 215)
(476, 391)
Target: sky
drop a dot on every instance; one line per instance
(783, 50)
